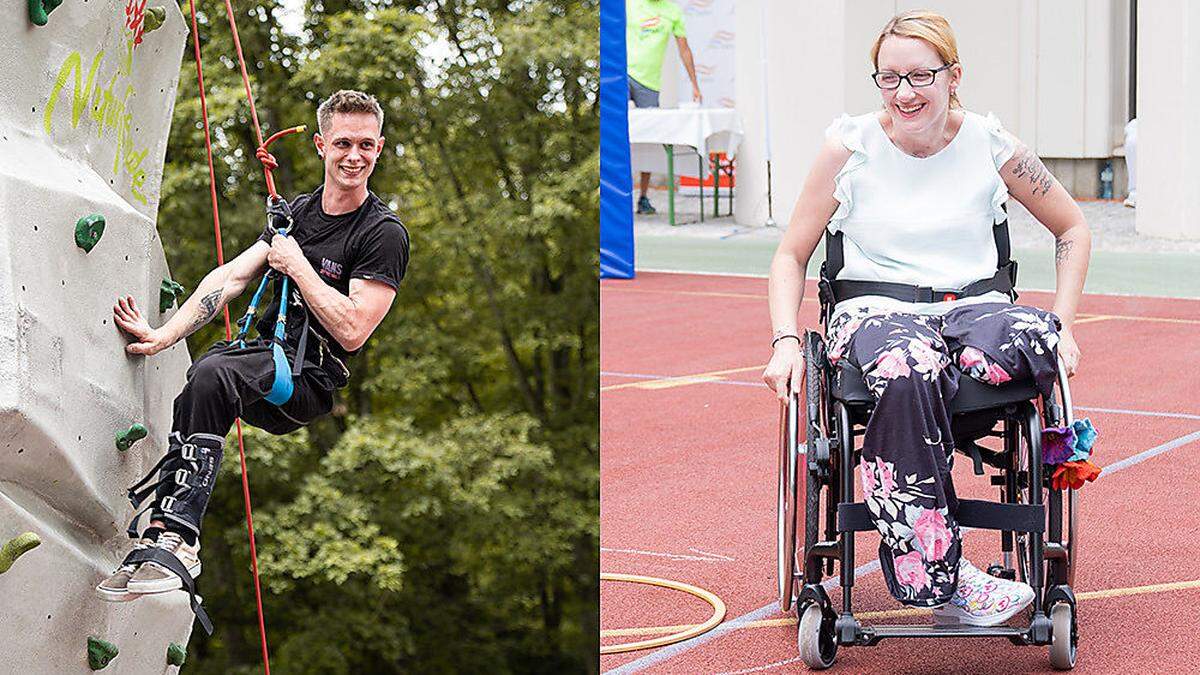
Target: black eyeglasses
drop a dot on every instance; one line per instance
(922, 77)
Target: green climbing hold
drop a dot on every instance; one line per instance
(100, 653)
(130, 436)
(155, 16)
(176, 654)
(16, 548)
(168, 293)
(88, 231)
(39, 10)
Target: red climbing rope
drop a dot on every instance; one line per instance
(212, 185)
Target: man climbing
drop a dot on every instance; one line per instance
(345, 255)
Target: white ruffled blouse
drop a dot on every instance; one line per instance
(919, 220)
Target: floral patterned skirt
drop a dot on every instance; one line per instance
(912, 363)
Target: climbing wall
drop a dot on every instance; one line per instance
(86, 96)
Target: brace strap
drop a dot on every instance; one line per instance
(181, 477)
(136, 493)
(172, 563)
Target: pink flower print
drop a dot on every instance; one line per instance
(1003, 603)
(928, 359)
(868, 477)
(931, 534)
(910, 571)
(892, 364)
(887, 477)
(969, 356)
(996, 375)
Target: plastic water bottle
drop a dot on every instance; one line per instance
(1106, 181)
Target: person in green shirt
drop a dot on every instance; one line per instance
(649, 25)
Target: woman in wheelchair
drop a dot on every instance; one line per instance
(917, 294)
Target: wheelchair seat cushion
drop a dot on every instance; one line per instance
(849, 388)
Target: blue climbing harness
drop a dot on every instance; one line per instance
(285, 374)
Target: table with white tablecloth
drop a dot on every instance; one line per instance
(659, 136)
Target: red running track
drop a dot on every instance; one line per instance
(688, 488)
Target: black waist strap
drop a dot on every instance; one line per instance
(835, 291)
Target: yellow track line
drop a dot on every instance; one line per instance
(895, 613)
(680, 380)
(1093, 319)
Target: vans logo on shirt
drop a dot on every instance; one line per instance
(331, 269)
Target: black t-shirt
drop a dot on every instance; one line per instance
(367, 243)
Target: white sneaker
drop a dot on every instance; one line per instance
(154, 578)
(982, 599)
(115, 587)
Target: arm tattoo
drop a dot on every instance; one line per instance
(1030, 167)
(1062, 250)
(209, 305)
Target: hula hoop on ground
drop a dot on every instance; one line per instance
(717, 616)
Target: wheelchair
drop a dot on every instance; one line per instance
(817, 447)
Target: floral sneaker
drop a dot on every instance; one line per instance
(982, 599)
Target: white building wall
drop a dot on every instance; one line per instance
(1168, 94)
(1053, 71)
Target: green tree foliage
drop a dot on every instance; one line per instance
(444, 518)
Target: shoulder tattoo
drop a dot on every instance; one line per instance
(1029, 167)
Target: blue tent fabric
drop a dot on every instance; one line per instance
(616, 175)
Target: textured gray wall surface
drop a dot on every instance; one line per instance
(85, 110)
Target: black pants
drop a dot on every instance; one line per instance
(912, 364)
(225, 383)
(228, 382)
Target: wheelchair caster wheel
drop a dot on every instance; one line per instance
(1001, 572)
(815, 638)
(1063, 640)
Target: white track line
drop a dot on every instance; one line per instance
(671, 651)
(674, 650)
(761, 668)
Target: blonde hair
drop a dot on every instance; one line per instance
(347, 101)
(927, 25)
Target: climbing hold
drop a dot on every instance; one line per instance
(168, 293)
(127, 438)
(16, 548)
(39, 10)
(176, 654)
(100, 653)
(155, 16)
(88, 231)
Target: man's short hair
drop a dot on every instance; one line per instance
(347, 101)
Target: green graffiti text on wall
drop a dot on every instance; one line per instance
(108, 105)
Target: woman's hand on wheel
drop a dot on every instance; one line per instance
(1068, 351)
(785, 372)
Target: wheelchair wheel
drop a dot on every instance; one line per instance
(814, 430)
(815, 638)
(1063, 641)
(789, 466)
(1022, 564)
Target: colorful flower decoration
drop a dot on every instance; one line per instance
(1058, 444)
(1085, 438)
(1073, 475)
(1069, 451)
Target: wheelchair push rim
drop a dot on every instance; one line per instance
(786, 502)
